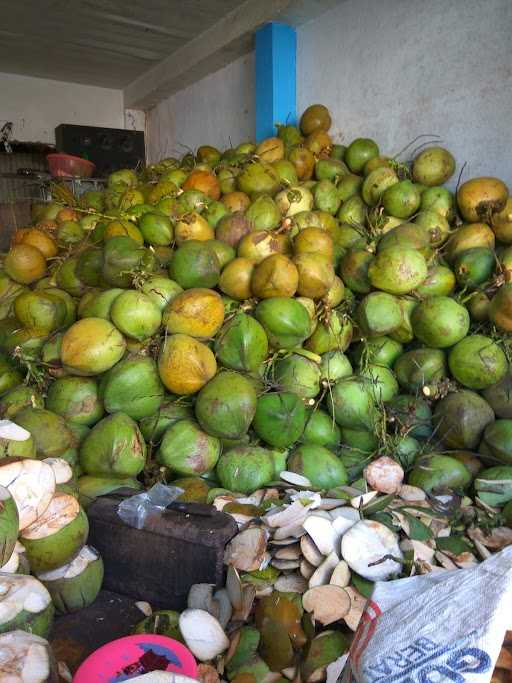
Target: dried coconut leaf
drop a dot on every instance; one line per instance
(323, 573)
(357, 607)
(422, 551)
(310, 551)
(246, 551)
(234, 588)
(445, 561)
(327, 604)
(495, 539)
(363, 499)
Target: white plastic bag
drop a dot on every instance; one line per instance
(443, 627)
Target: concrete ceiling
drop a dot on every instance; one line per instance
(149, 48)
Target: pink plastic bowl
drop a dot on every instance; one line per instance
(68, 166)
(126, 658)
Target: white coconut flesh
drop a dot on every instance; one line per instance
(62, 510)
(31, 483)
(13, 563)
(21, 593)
(61, 469)
(74, 568)
(24, 658)
(372, 550)
(13, 432)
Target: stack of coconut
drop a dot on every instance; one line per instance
(311, 337)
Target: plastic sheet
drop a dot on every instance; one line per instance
(134, 510)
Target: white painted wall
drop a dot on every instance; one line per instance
(213, 111)
(394, 69)
(36, 106)
(387, 69)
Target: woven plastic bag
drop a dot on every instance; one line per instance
(442, 627)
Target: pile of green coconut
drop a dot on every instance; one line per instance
(296, 320)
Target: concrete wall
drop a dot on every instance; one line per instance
(395, 69)
(215, 110)
(36, 106)
(387, 69)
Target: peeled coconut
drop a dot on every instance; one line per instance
(203, 634)
(17, 563)
(76, 584)
(26, 658)
(9, 522)
(31, 483)
(57, 535)
(24, 604)
(365, 544)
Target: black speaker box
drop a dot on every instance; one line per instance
(109, 148)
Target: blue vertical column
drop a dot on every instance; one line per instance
(276, 50)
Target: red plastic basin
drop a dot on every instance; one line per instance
(68, 166)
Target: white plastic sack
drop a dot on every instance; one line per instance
(443, 627)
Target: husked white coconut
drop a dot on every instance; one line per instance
(61, 469)
(26, 658)
(31, 483)
(203, 634)
(371, 550)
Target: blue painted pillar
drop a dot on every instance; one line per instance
(276, 48)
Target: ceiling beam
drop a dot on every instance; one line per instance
(228, 39)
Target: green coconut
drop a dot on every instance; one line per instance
(90, 267)
(460, 419)
(318, 464)
(75, 399)
(440, 322)
(92, 346)
(433, 166)
(420, 368)
(354, 270)
(494, 487)
(440, 281)
(474, 267)
(411, 415)
(170, 412)
(123, 258)
(162, 623)
(498, 439)
(334, 366)
(161, 290)
(48, 430)
(440, 200)
(96, 304)
(9, 524)
(17, 449)
(76, 584)
(285, 320)
(187, 450)
(245, 469)
(297, 374)
(257, 179)
(114, 446)
(280, 418)
(402, 199)
(435, 471)
(379, 313)
(477, 362)
(242, 344)
(397, 270)
(359, 152)
(225, 407)
(334, 334)
(321, 430)
(91, 487)
(381, 382)
(352, 404)
(57, 535)
(17, 563)
(380, 350)
(25, 605)
(133, 387)
(136, 315)
(498, 396)
(39, 310)
(195, 264)
(360, 439)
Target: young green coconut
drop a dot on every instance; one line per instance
(76, 584)
(17, 563)
(57, 535)
(24, 604)
(26, 658)
(9, 522)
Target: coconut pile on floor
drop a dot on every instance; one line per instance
(312, 338)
